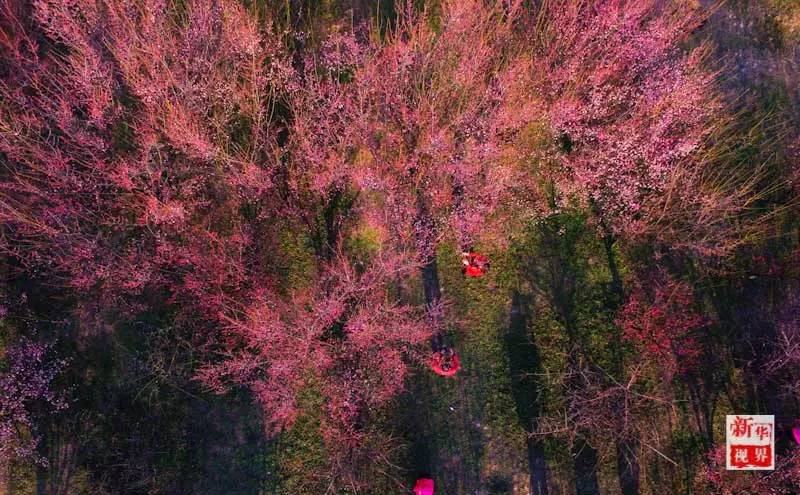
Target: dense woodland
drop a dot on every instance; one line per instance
(229, 230)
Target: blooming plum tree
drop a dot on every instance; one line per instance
(25, 388)
(176, 157)
(429, 101)
(659, 318)
(632, 123)
(126, 134)
(142, 165)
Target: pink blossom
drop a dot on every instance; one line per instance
(25, 383)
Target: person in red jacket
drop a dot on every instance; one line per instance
(445, 362)
(424, 486)
(474, 264)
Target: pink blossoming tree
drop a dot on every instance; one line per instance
(25, 388)
(661, 319)
(181, 159)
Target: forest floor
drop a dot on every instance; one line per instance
(466, 428)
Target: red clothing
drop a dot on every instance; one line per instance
(436, 364)
(473, 271)
(479, 259)
(424, 486)
(474, 264)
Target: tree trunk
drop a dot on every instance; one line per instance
(585, 462)
(430, 273)
(430, 282)
(433, 294)
(537, 464)
(627, 467)
(423, 441)
(524, 364)
(616, 279)
(584, 456)
(627, 462)
(41, 480)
